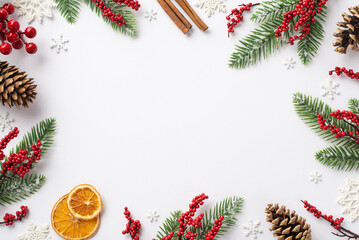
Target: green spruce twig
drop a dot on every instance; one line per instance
(169, 225)
(69, 9)
(340, 158)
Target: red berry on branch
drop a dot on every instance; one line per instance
(12, 36)
(5, 48)
(30, 32)
(31, 48)
(18, 44)
(3, 14)
(9, 8)
(13, 25)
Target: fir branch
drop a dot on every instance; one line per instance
(272, 10)
(129, 28)
(308, 108)
(16, 188)
(69, 9)
(169, 225)
(354, 105)
(340, 158)
(228, 208)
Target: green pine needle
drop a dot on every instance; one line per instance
(354, 105)
(272, 10)
(169, 225)
(16, 188)
(69, 9)
(340, 158)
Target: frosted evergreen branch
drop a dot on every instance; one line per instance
(354, 105)
(272, 10)
(169, 225)
(340, 158)
(69, 9)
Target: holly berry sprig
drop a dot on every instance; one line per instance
(335, 223)
(349, 72)
(9, 219)
(10, 32)
(303, 17)
(236, 16)
(132, 227)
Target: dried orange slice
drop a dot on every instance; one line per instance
(84, 202)
(67, 226)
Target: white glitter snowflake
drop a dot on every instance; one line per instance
(315, 177)
(211, 6)
(151, 15)
(153, 215)
(34, 9)
(289, 63)
(5, 122)
(350, 199)
(252, 228)
(35, 232)
(59, 43)
(330, 89)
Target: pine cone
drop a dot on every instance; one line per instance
(348, 34)
(15, 88)
(287, 225)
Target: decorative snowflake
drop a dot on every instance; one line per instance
(330, 89)
(211, 6)
(153, 215)
(252, 228)
(350, 199)
(59, 43)
(315, 177)
(5, 122)
(35, 9)
(35, 232)
(289, 63)
(151, 15)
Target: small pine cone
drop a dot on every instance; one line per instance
(287, 225)
(348, 33)
(15, 88)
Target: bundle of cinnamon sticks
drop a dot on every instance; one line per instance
(182, 23)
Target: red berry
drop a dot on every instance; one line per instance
(31, 48)
(30, 32)
(12, 36)
(5, 48)
(13, 25)
(9, 8)
(18, 44)
(3, 14)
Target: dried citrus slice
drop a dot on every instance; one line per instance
(67, 226)
(84, 202)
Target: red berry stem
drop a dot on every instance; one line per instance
(236, 15)
(132, 227)
(335, 223)
(9, 219)
(303, 17)
(349, 72)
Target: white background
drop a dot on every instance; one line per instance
(153, 121)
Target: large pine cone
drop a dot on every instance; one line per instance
(348, 34)
(287, 225)
(15, 88)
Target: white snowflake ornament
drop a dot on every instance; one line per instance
(151, 15)
(5, 122)
(252, 228)
(35, 232)
(34, 9)
(211, 6)
(315, 177)
(153, 215)
(350, 199)
(330, 89)
(289, 63)
(59, 43)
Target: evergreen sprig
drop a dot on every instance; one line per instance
(169, 225)
(345, 154)
(261, 42)
(69, 9)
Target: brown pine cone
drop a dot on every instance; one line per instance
(348, 34)
(287, 225)
(15, 88)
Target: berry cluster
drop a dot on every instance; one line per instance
(10, 218)
(117, 18)
(349, 117)
(18, 163)
(10, 31)
(215, 229)
(236, 16)
(132, 227)
(349, 72)
(303, 17)
(336, 223)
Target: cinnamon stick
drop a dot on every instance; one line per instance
(192, 14)
(175, 15)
